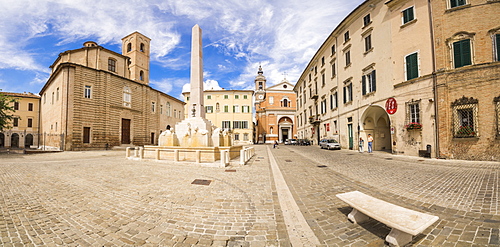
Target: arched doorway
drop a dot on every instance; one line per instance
(28, 140)
(2, 140)
(376, 121)
(14, 140)
(285, 129)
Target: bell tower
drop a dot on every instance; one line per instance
(137, 47)
(260, 85)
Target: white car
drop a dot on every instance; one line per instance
(329, 144)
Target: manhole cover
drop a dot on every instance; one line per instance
(201, 182)
(350, 154)
(257, 160)
(230, 170)
(260, 157)
(388, 158)
(288, 161)
(322, 166)
(421, 160)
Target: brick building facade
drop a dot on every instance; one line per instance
(275, 107)
(467, 50)
(96, 98)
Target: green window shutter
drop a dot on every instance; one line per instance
(412, 66)
(462, 53)
(363, 85)
(374, 81)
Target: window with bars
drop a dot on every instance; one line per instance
(465, 117)
(413, 112)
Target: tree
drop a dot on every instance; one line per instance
(6, 110)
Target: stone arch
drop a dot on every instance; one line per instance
(285, 128)
(28, 140)
(14, 140)
(376, 121)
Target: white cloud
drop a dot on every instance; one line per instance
(207, 85)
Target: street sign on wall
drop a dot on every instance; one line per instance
(391, 106)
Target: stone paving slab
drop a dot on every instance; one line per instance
(102, 199)
(462, 194)
(99, 198)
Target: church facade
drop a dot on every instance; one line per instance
(274, 111)
(96, 98)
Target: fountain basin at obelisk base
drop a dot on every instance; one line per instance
(196, 138)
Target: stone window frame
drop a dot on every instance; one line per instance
(168, 111)
(409, 111)
(209, 109)
(127, 97)
(495, 40)
(459, 130)
(87, 92)
(456, 38)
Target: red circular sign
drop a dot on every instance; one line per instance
(391, 106)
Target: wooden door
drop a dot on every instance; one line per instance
(125, 131)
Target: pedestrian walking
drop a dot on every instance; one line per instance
(361, 144)
(370, 143)
(275, 144)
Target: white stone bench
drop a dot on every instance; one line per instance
(404, 222)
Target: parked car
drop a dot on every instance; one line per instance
(287, 142)
(303, 142)
(293, 141)
(329, 144)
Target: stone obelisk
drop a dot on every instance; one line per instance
(196, 130)
(196, 81)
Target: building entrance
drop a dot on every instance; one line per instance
(125, 131)
(376, 121)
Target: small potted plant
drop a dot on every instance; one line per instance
(413, 126)
(465, 131)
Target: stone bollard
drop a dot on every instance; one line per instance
(141, 153)
(242, 157)
(176, 155)
(157, 154)
(222, 159)
(127, 152)
(136, 152)
(228, 157)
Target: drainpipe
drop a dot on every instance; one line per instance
(434, 82)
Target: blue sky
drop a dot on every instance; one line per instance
(238, 35)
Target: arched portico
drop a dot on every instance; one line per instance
(376, 121)
(285, 129)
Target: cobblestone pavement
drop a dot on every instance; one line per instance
(463, 194)
(99, 198)
(102, 199)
